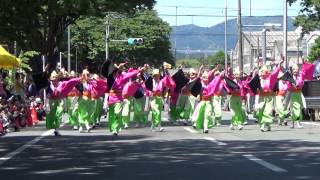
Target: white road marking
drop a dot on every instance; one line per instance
(264, 163)
(27, 145)
(311, 123)
(190, 130)
(248, 156)
(215, 141)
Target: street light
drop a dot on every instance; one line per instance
(268, 27)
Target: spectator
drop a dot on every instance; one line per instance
(19, 85)
(3, 93)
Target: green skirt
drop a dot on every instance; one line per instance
(203, 118)
(115, 117)
(140, 116)
(238, 117)
(297, 106)
(86, 111)
(54, 117)
(265, 111)
(156, 105)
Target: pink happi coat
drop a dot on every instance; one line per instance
(130, 89)
(247, 88)
(63, 88)
(118, 86)
(269, 83)
(99, 88)
(212, 88)
(165, 82)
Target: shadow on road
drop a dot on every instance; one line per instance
(102, 157)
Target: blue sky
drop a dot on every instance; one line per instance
(216, 8)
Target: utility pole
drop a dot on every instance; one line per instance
(175, 37)
(251, 51)
(43, 58)
(250, 8)
(258, 51)
(15, 48)
(107, 36)
(298, 51)
(69, 61)
(240, 60)
(225, 37)
(76, 60)
(285, 35)
(60, 59)
(264, 46)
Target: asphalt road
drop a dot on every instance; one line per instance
(178, 153)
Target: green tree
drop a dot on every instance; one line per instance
(309, 16)
(155, 33)
(189, 63)
(217, 58)
(315, 51)
(25, 58)
(40, 25)
(89, 35)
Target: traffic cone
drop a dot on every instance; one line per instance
(29, 118)
(34, 116)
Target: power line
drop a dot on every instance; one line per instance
(222, 8)
(216, 34)
(207, 15)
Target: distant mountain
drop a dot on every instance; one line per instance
(192, 38)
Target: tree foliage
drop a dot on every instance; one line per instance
(189, 63)
(89, 35)
(309, 16)
(309, 20)
(315, 51)
(40, 25)
(25, 58)
(217, 58)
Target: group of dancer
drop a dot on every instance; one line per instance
(195, 96)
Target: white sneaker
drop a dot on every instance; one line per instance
(300, 125)
(262, 129)
(161, 129)
(75, 127)
(231, 127)
(240, 127)
(81, 129)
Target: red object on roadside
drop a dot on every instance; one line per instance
(2, 130)
(28, 116)
(34, 116)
